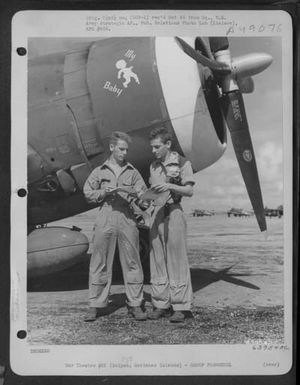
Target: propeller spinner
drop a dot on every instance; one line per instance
(234, 77)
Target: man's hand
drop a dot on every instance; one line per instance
(108, 191)
(103, 192)
(185, 191)
(143, 204)
(161, 187)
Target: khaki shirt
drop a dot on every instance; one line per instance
(175, 169)
(104, 176)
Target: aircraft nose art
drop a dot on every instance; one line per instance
(123, 84)
(137, 83)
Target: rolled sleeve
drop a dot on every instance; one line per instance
(91, 188)
(186, 172)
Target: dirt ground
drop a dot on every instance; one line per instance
(60, 321)
(238, 284)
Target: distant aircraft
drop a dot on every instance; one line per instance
(202, 213)
(77, 98)
(274, 212)
(238, 212)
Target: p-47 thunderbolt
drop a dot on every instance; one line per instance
(76, 98)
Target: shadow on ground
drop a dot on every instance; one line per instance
(76, 278)
(204, 277)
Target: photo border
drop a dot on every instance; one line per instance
(5, 157)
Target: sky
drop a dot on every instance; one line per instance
(221, 186)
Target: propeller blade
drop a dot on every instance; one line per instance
(202, 47)
(220, 68)
(218, 44)
(246, 85)
(235, 115)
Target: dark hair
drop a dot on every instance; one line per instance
(118, 135)
(161, 132)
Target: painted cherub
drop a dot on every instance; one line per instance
(126, 72)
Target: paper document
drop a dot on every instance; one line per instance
(126, 189)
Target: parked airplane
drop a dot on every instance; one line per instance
(274, 212)
(202, 213)
(238, 212)
(77, 98)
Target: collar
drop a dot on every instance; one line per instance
(107, 164)
(172, 158)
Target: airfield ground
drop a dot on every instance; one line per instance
(242, 304)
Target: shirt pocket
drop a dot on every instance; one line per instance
(105, 182)
(126, 181)
(128, 184)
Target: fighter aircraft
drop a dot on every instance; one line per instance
(274, 212)
(238, 212)
(202, 213)
(76, 98)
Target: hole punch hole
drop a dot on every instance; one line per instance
(22, 192)
(21, 51)
(22, 334)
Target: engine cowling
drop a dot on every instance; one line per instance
(53, 249)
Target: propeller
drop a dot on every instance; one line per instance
(234, 77)
(246, 85)
(215, 66)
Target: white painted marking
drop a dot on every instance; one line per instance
(126, 73)
(114, 89)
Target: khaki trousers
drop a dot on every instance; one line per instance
(115, 225)
(170, 273)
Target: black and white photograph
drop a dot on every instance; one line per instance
(155, 152)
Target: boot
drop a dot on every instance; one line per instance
(137, 313)
(158, 313)
(91, 315)
(94, 312)
(177, 316)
